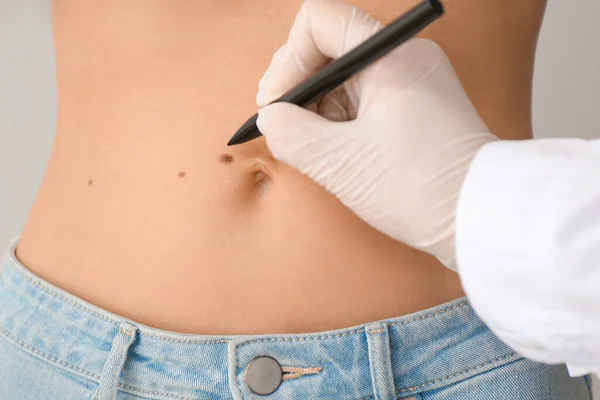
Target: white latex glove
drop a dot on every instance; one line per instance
(407, 135)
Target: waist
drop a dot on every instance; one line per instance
(72, 334)
(231, 259)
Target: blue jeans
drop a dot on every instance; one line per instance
(55, 346)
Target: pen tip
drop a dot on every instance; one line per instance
(246, 133)
(237, 137)
(241, 136)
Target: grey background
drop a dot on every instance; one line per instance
(566, 92)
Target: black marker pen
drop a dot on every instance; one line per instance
(340, 70)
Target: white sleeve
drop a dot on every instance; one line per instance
(528, 247)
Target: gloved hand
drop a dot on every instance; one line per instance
(393, 144)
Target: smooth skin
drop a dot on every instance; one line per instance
(142, 211)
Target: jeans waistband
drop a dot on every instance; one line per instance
(403, 355)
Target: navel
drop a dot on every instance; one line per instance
(262, 180)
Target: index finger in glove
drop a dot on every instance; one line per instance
(323, 30)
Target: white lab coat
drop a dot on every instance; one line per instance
(528, 247)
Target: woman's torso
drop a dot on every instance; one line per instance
(142, 213)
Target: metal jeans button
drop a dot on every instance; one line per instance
(263, 375)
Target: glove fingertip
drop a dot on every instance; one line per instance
(265, 119)
(261, 99)
(265, 96)
(270, 115)
(281, 118)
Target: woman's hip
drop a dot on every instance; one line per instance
(54, 345)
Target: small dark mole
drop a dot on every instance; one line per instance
(181, 174)
(226, 158)
(90, 182)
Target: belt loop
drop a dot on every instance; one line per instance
(380, 362)
(108, 388)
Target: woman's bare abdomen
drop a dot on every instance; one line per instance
(146, 212)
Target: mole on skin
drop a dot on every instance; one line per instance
(226, 158)
(181, 174)
(90, 182)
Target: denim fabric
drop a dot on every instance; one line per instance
(55, 346)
